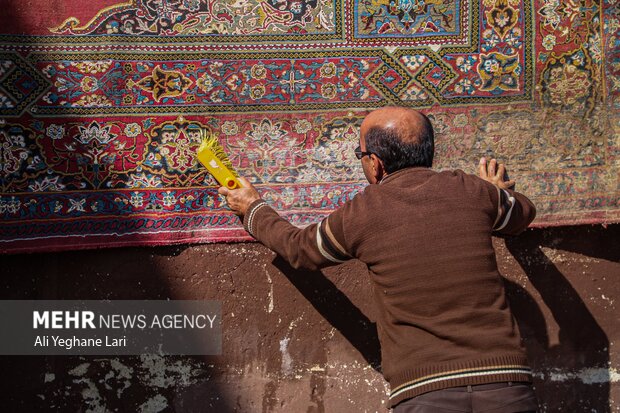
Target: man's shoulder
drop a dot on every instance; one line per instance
(421, 175)
(424, 180)
(461, 176)
(456, 173)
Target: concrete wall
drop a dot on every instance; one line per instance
(299, 341)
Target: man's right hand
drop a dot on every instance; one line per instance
(240, 199)
(493, 173)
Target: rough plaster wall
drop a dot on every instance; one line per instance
(299, 341)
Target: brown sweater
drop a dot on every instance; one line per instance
(443, 319)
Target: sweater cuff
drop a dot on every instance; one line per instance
(250, 214)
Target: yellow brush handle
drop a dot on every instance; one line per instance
(219, 171)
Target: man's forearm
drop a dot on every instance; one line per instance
(516, 212)
(299, 246)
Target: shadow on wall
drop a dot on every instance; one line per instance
(336, 308)
(103, 383)
(572, 375)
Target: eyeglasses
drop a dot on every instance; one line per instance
(359, 154)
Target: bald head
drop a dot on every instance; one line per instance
(400, 137)
(408, 124)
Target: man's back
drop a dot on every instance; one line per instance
(426, 238)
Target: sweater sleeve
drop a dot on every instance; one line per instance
(312, 247)
(514, 212)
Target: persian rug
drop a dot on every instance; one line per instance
(102, 104)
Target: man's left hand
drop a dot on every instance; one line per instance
(240, 199)
(494, 173)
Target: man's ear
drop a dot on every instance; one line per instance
(378, 170)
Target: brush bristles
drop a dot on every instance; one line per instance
(212, 143)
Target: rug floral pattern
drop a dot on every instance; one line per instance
(101, 114)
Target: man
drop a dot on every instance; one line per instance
(448, 339)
